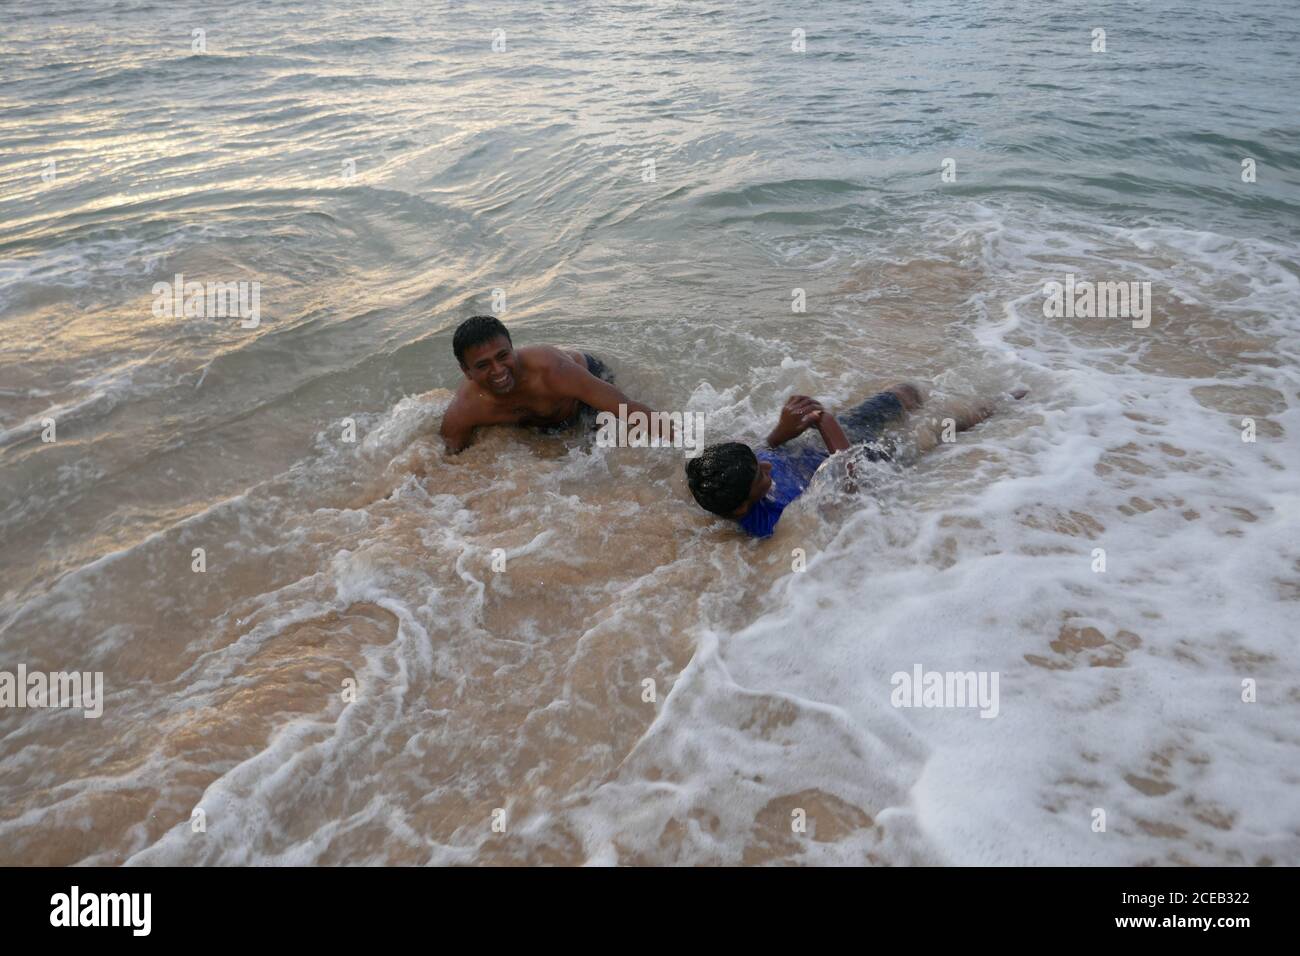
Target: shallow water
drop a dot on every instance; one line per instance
(523, 690)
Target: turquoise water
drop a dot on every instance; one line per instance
(381, 171)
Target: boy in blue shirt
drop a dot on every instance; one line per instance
(753, 487)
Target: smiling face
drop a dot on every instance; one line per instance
(761, 486)
(492, 366)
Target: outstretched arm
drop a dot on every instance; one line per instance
(571, 379)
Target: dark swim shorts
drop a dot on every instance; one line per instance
(863, 423)
(585, 416)
(598, 368)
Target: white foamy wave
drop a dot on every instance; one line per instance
(1121, 691)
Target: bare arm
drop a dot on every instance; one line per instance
(574, 381)
(801, 413)
(831, 433)
(798, 414)
(457, 427)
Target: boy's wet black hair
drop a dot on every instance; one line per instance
(475, 331)
(720, 477)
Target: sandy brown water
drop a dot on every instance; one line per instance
(523, 690)
(350, 681)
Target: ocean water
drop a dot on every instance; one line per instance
(349, 680)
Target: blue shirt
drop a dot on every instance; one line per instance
(792, 469)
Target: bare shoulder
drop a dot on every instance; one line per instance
(465, 411)
(550, 358)
(554, 368)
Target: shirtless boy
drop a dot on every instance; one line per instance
(540, 386)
